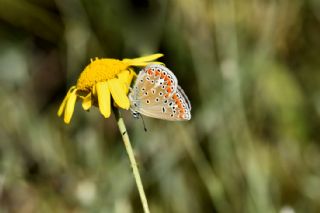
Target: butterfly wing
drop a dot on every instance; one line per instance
(156, 94)
(174, 108)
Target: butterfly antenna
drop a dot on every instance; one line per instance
(144, 125)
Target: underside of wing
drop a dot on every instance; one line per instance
(156, 94)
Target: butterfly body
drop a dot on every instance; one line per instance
(156, 94)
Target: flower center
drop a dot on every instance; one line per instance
(99, 70)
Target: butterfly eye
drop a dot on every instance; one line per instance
(141, 80)
(148, 102)
(148, 79)
(163, 87)
(160, 93)
(153, 91)
(163, 109)
(146, 93)
(157, 99)
(152, 81)
(165, 101)
(143, 89)
(171, 115)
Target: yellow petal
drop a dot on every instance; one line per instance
(132, 73)
(148, 57)
(94, 91)
(70, 106)
(143, 64)
(63, 104)
(126, 77)
(103, 93)
(87, 102)
(143, 61)
(118, 93)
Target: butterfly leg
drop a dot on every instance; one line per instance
(135, 114)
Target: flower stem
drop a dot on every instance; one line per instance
(133, 162)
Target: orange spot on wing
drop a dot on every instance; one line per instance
(157, 73)
(169, 90)
(175, 97)
(149, 72)
(167, 80)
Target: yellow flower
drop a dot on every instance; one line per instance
(100, 80)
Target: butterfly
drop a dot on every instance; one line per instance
(156, 94)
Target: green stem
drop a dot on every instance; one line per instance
(133, 162)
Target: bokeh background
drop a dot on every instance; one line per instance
(251, 71)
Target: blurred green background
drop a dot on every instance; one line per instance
(251, 71)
